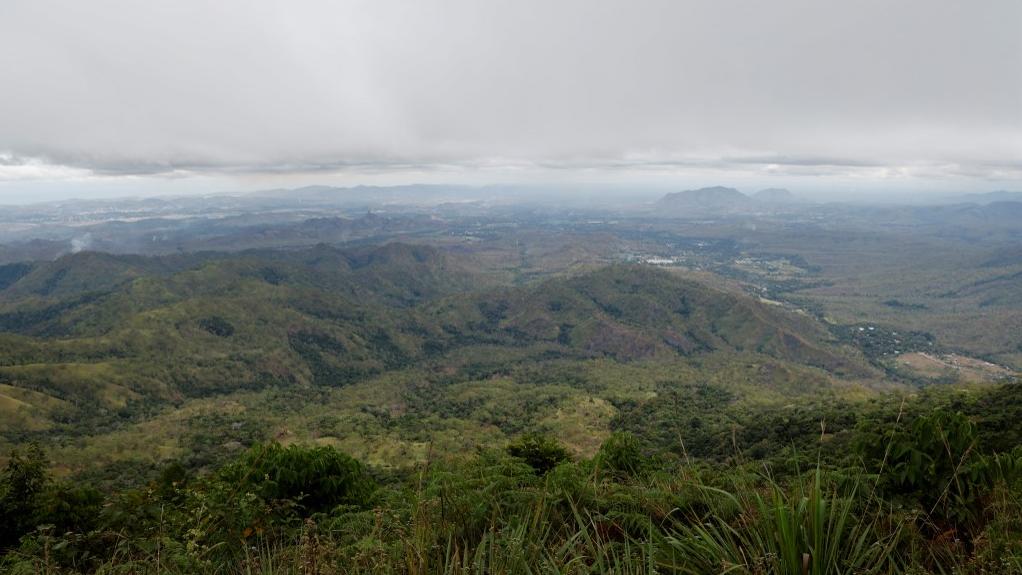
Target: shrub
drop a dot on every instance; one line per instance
(622, 453)
(217, 326)
(540, 452)
(317, 478)
(935, 460)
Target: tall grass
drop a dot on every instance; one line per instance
(786, 532)
(491, 515)
(755, 526)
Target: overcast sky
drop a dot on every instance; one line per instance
(104, 97)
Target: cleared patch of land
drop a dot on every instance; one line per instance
(953, 365)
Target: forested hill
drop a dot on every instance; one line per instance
(312, 406)
(93, 337)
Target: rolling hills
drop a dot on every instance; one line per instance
(97, 347)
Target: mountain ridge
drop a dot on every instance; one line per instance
(325, 318)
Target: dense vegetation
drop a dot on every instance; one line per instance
(395, 346)
(920, 486)
(396, 409)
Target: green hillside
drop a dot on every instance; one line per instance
(99, 348)
(253, 396)
(632, 312)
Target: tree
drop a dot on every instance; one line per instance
(22, 486)
(540, 452)
(318, 478)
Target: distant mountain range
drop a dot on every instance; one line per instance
(987, 197)
(712, 198)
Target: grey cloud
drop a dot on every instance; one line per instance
(12, 160)
(806, 161)
(239, 87)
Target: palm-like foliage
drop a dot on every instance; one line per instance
(785, 532)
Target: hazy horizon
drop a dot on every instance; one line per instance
(572, 192)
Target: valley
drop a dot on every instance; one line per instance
(370, 320)
(744, 334)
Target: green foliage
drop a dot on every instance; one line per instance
(997, 415)
(22, 486)
(200, 357)
(540, 452)
(689, 420)
(11, 273)
(622, 453)
(217, 326)
(29, 499)
(620, 512)
(69, 507)
(937, 462)
(810, 529)
(315, 478)
(117, 344)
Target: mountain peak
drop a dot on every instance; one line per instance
(704, 194)
(710, 198)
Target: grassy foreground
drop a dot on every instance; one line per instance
(924, 497)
